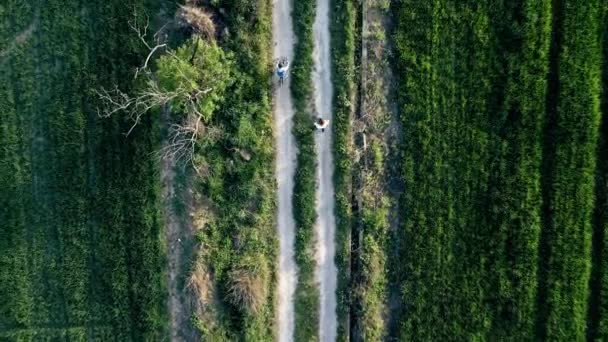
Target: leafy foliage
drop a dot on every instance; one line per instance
(197, 65)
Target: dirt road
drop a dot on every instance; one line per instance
(179, 235)
(285, 167)
(326, 223)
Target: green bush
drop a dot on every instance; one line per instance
(197, 65)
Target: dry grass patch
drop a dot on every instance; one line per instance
(199, 283)
(199, 19)
(248, 284)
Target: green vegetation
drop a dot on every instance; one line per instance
(473, 98)
(373, 280)
(373, 182)
(482, 257)
(597, 329)
(572, 132)
(306, 299)
(81, 255)
(197, 65)
(342, 30)
(502, 226)
(236, 261)
(81, 252)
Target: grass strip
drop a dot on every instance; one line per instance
(342, 30)
(305, 183)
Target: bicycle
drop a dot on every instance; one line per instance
(282, 69)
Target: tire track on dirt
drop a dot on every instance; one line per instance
(179, 234)
(326, 223)
(285, 169)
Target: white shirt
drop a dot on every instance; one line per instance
(323, 125)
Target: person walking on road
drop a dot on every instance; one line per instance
(321, 124)
(282, 69)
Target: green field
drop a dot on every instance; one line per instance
(82, 250)
(81, 254)
(500, 106)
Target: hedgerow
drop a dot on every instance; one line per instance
(238, 243)
(342, 29)
(306, 299)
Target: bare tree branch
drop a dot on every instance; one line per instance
(184, 135)
(116, 101)
(145, 66)
(141, 34)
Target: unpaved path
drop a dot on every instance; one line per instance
(285, 167)
(179, 235)
(326, 222)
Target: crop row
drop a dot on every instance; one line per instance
(500, 106)
(512, 205)
(441, 279)
(570, 144)
(597, 328)
(472, 94)
(14, 281)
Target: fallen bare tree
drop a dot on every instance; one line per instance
(116, 101)
(187, 82)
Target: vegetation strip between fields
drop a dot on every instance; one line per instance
(235, 274)
(342, 29)
(304, 199)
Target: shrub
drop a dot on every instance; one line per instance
(248, 284)
(198, 69)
